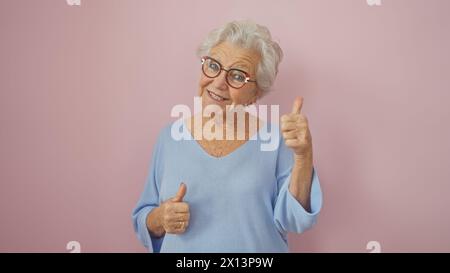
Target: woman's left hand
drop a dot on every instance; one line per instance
(294, 127)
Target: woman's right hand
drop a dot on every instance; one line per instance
(174, 213)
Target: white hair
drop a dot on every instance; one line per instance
(250, 35)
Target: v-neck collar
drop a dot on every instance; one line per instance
(238, 150)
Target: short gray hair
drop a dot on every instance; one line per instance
(248, 34)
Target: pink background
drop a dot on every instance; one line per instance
(84, 95)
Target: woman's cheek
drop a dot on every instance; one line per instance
(202, 85)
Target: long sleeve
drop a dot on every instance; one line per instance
(289, 214)
(148, 201)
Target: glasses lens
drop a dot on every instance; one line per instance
(211, 68)
(236, 78)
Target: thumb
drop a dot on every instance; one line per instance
(297, 107)
(180, 194)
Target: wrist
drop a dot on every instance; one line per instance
(303, 159)
(154, 222)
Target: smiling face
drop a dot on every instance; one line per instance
(216, 90)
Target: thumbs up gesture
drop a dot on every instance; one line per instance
(175, 213)
(294, 127)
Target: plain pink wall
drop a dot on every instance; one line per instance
(84, 94)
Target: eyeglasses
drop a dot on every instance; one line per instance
(235, 78)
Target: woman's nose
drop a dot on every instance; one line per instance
(220, 82)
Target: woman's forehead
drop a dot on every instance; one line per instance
(232, 55)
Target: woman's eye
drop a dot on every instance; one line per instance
(214, 66)
(239, 77)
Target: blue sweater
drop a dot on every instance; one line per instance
(238, 203)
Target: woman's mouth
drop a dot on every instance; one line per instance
(215, 97)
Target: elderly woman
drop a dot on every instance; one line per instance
(222, 195)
